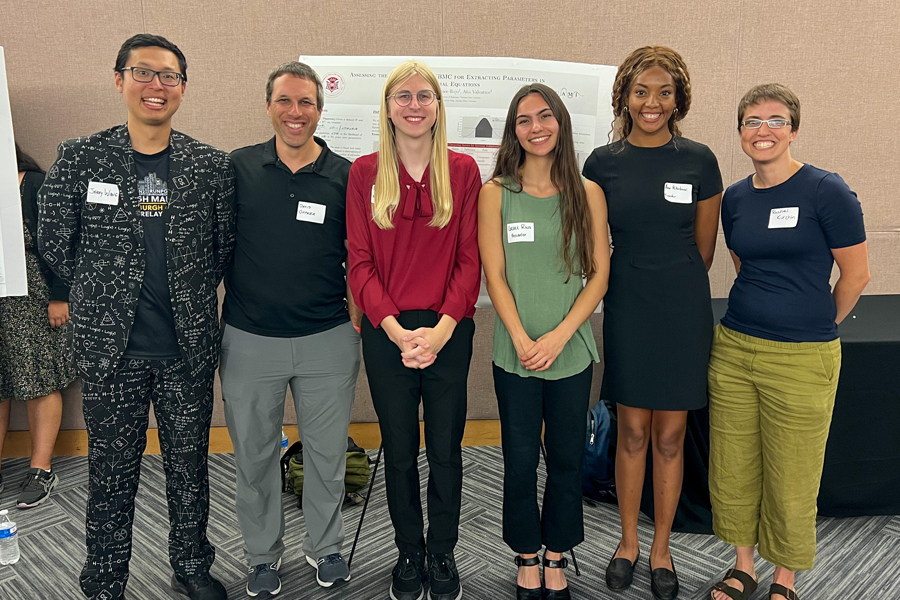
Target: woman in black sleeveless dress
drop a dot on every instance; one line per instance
(664, 193)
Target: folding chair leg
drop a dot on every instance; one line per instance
(572, 551)
(365, 505)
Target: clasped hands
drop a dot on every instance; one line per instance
(419, 347)
(539, 355)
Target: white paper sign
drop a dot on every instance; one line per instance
(311, 212)
(103, 193)
(679, 193)
(13, 276)
(519, 232)
(784, 218)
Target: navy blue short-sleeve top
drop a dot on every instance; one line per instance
(783, 236)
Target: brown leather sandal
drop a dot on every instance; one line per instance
(746, 580)
(777, 588)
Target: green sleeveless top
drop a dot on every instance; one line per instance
(535, 273)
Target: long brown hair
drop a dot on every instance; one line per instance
(636, 63)
(575, 216)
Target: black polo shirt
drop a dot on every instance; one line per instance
(288, 274)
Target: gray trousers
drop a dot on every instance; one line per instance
(255, 372)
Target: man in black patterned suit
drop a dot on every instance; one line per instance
(139, 219)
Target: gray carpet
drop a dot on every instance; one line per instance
(857, 557)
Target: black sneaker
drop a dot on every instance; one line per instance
(201, 587)
(443, 577)
(36, 488)
(408, 579)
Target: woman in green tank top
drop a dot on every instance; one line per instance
(544, 246)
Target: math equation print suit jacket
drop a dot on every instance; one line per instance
(98, 247)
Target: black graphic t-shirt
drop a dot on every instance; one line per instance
(153, 333)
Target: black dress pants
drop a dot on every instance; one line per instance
(116, 414)
(527, 403)
(396, 393)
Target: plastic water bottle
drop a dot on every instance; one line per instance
(9, 540)
(284, 442)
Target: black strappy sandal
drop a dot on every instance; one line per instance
(746, 580)
(777, 588)
(528, 593)
(562, 594)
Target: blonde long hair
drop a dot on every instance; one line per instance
(387, 181)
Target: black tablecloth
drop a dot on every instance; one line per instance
(862, 459)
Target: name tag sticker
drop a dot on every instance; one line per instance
(373, 194)
(679, 193)
(311, 212)
(519, 232)
(103, 193)
(784, 218)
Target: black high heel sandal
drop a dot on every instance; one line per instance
(562, 594)
(528, 593)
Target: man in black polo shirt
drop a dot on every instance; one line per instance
(287, 323)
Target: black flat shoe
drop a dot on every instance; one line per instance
(562, 594)
(663, 582)
(620, 572)
(528, 593)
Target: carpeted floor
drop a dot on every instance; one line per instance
(858, 558)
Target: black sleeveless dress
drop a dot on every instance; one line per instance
(658, 323)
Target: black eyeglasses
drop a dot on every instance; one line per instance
(145, 75)
(425, 97)
(772, 123)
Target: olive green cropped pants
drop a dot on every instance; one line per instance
(770, 406)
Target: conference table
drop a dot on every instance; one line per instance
(861, 475)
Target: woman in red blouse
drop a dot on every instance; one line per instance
(415, 273)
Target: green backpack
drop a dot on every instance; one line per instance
(355, 479)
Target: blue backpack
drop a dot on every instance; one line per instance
(598, 470)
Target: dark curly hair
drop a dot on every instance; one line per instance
(637, 62)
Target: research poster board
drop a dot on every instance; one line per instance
(476, 95)
(13, 281)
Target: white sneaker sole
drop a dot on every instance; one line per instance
(458, 596)
(272, 593)
(325, 584)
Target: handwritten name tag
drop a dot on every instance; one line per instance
(519, 232)
(103, 193)
(679, 193)
(783, 218)
(311, 212)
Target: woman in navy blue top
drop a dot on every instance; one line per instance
(776, 355)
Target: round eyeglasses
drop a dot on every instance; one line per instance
(772, 123)
(424, 97)
(144, 75)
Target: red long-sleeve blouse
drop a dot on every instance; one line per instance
(414, 266)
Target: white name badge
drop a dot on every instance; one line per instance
(679, 193)
(373, 194)
(519, 232)
(103, 193)
(784, 218)
(311, 212)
